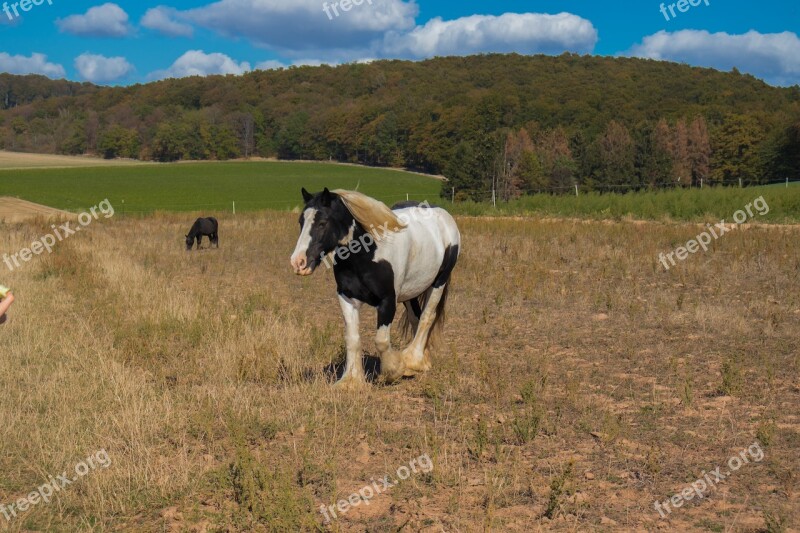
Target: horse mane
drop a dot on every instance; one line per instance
(372, 214)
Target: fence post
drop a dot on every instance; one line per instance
(234, 207)
(576, 189)
(740, 183)
(494, 201)
(701, 183)
(453, 197)
(787, 184)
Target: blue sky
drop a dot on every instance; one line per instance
(124, 42)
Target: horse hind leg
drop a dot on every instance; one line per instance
(416, 356)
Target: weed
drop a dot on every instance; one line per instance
(765, 433)
(480, 439)
(526, 426)
(732, 378)
(775, 522)
(558, 488)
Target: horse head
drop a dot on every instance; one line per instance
(332, 218)
(323, 223)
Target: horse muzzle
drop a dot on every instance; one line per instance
(301, 266)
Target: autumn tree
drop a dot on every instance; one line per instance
(558, 167)
(653, 158)
(699, 150)
(117, 141)
(780, 153)
(244, 126)
(519, 165)
(615, 156)
(735, 151)
(168, 143)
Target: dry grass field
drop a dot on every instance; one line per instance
(18, 210)
(576, 384)
(20, 160)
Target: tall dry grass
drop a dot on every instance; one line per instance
(577, 382)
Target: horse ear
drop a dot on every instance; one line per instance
(327, 197)
(307, 196)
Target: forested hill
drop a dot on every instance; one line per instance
(21, 90)
(518, 123)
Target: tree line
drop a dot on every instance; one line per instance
(509, 123)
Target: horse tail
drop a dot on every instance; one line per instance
(444, 279)
(404, 328)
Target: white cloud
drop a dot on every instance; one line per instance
(198, 63)
(107, 20)
(386, 28)
(525, 33)
(301, 27)
(35, 64)
(775, 57)
(101, 69)
(163, 20)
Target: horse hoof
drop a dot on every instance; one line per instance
(394, 375)
(414, 365)
(392, 367)
(350, 383)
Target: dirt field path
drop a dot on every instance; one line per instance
(17, 210)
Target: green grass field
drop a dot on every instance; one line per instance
(708, 204)
(260, 185)
(207, 186)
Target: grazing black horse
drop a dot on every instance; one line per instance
(203, 226)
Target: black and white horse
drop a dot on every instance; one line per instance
(381, 257)
(203, 226)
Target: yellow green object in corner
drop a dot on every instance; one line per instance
(4, 291)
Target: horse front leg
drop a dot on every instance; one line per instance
(392, 367)
(353, 375)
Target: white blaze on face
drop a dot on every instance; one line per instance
(299, 258)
